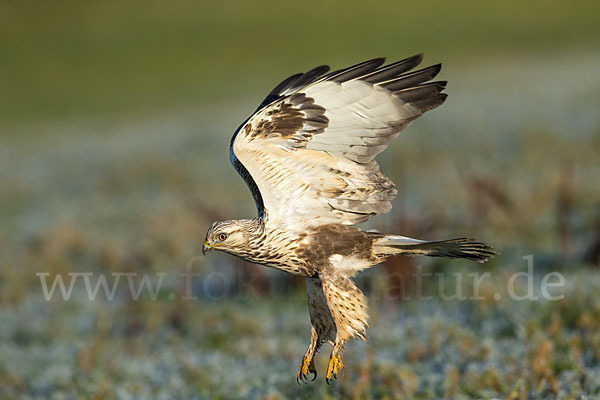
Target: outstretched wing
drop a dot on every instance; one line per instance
(307, 153)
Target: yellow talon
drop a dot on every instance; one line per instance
(335, 366)
(304, 367)
(307, 366)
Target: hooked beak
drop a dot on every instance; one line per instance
(206, 247)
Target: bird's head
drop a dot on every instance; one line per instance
(229, 236)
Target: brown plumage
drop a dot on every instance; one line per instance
(307, 155)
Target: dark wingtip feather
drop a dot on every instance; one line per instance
(411, 79)
(421, 92)
(284, 84)
(295, 81)
(393, 70)
(309, 77)
(356, 71)
(409, 87)
(430, 103)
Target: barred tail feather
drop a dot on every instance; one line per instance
(469, 249)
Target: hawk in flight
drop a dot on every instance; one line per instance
(307, 155)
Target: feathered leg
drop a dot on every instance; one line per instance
(322, 327)
(308, 364)
(348, 307)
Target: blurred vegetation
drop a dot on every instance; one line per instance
(250, 348)
(115, 119)
(71, 58)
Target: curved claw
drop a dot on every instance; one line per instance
(301, 377)
(308, 365)
(335, 365)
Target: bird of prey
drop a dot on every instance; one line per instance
(307, 155)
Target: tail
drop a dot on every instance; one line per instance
(469, 249)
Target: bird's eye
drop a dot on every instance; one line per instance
(222, 236)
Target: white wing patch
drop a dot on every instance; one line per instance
(311, 153)
(349, 265)
(362, 119)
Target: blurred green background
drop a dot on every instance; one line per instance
(115, 120)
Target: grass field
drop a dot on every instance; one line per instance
(250, 348)
(76, 59)
(113, 160)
